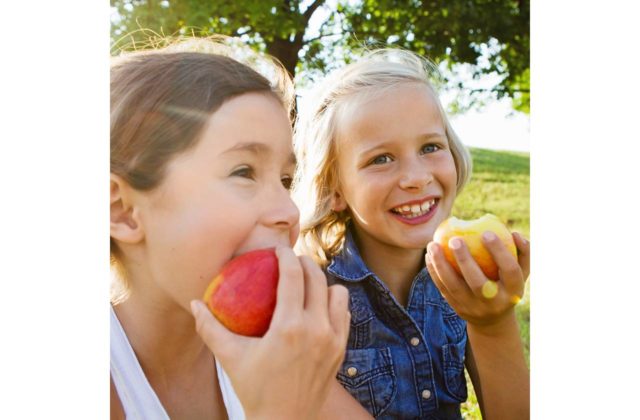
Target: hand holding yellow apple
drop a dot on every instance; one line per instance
(481, 276)
(471, 233)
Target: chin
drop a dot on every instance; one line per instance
(417, 241)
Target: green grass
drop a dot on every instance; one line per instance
(499, 185)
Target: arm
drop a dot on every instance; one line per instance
(341, 405)
(500, 375)
(496, 362)
(472, 369)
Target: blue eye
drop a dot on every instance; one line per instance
(379, 160)
(430, 148)
(244, 172)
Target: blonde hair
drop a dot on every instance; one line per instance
(161, 99)
(322, 230)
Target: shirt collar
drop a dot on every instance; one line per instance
(348, 264)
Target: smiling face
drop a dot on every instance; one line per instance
(223, 197)
(396, 172)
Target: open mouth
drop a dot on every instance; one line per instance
(415, 210)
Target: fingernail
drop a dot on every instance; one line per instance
(489, 236)
(455, 243)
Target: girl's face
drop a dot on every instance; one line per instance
(396, 172)
(224, 197)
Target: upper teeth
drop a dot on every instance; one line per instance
(415, 209)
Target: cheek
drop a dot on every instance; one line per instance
(448, 172)
(193, 239)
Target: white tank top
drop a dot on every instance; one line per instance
(138, 399)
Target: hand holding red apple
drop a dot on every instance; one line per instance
(475, 296)
(288, 372)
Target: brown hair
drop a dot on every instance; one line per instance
(161, 100)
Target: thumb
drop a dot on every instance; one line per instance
(222, 342)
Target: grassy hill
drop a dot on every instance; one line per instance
(499, 185)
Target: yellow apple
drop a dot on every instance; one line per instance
(470, 231)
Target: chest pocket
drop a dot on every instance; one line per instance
(361, 318)
(368, 375)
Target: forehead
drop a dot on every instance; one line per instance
(251, 118)
(406, 110)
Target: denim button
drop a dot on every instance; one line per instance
(426, 394)
(415, 341)
(352, 371)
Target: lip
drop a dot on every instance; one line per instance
(420, 219)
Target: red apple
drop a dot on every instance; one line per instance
(243, 296)
(471, 233)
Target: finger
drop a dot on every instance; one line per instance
(471, 272)
(428, 259)
(290, 293)
(524, 252)
(315, 287)
(447, 277)
(339, 315)
(510, 271)
(438, 282)
(222, 342)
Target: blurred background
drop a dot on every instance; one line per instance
(480, 46)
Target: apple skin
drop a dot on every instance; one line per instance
(471, 233)
(243, 296)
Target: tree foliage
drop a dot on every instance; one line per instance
(489, 36)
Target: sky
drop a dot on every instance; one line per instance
(496, 127)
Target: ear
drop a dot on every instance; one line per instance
(125, 221)
(338, 202)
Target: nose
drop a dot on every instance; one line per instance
(281, 212)
(415, 174)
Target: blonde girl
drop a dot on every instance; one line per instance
(379, 167)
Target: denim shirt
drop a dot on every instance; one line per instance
(400, 363)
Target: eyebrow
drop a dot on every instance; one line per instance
(256, 148)
(385, 144)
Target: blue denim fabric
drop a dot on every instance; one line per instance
(383, 369)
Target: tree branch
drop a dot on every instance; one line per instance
(308, 41)
(499, 89)
(312, 8)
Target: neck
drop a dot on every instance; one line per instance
(163, 337)
(397, 267)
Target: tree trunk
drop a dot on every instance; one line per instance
(286, 51)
